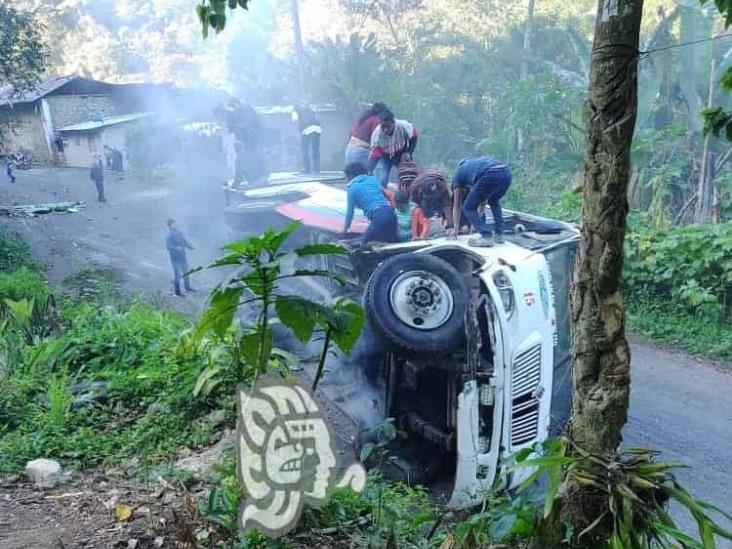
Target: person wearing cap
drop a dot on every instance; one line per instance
(478, 181)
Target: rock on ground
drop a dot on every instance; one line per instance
(45, 473)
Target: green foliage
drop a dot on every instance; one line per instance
(631, 493)
(23, 283)
(353, 519)
(688, 266)
(22, 52)
(212, 13)
(673, 325)
(145, 406)
(264, 263)
(14, 251)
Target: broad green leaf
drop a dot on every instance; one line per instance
(502, 527)
(366, 451)
(220, 313)
(349, 322)
(298, 314)
(321, 249)
(205, 376)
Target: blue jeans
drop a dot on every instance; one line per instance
(383, 226)
(489, 187)
(357, 154)
(383, 169)
(180, 266)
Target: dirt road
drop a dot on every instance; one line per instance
(679, 406)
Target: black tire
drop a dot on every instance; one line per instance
(400, 336)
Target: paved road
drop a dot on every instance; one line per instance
(679, 406)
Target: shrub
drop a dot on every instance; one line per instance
(690, 266)
(14, 251)
(23, 283)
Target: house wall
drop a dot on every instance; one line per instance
(80, 147)
(73, 109)
(22, 128)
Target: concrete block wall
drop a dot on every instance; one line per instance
(23, 129)
(73, 109)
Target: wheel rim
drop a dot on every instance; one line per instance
(421, 300)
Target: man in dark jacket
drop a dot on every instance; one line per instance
(177, 245)
(310, 131)
(96, 174)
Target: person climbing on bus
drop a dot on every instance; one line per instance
(364, 192)
(477, 181)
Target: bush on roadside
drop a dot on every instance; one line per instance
(23, 283)
(689, 266)
(14, 251)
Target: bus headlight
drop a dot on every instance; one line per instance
(505, 291)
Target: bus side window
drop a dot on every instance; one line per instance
(561, 266)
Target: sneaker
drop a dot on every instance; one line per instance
(499, 239)
(481, 242)
(178, 294)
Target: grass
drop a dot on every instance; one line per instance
(706, 336)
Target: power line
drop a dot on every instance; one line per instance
(672, 46)
(640, 54)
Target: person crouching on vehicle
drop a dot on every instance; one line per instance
(477, 181)
(412, 223)
(430, 190)
(365, 192)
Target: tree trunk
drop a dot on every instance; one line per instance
(299, 52)
(705, 189)
(528, 31)
(599, 348)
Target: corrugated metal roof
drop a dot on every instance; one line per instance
(41, 90)
(110, 121)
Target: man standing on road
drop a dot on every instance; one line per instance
(365, 192)
(483, 180)
(97, 175)
(9, 168)
(177, 245)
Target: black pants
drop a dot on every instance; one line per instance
(310, 152)
(10, 175)
(180, 266)
(99, 183)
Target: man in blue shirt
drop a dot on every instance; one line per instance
(177, 245)
(477, 181)
(365, 192)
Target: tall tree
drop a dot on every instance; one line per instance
(21, 49)
(599, 347)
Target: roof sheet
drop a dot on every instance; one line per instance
(110, 121)
(41, 90)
